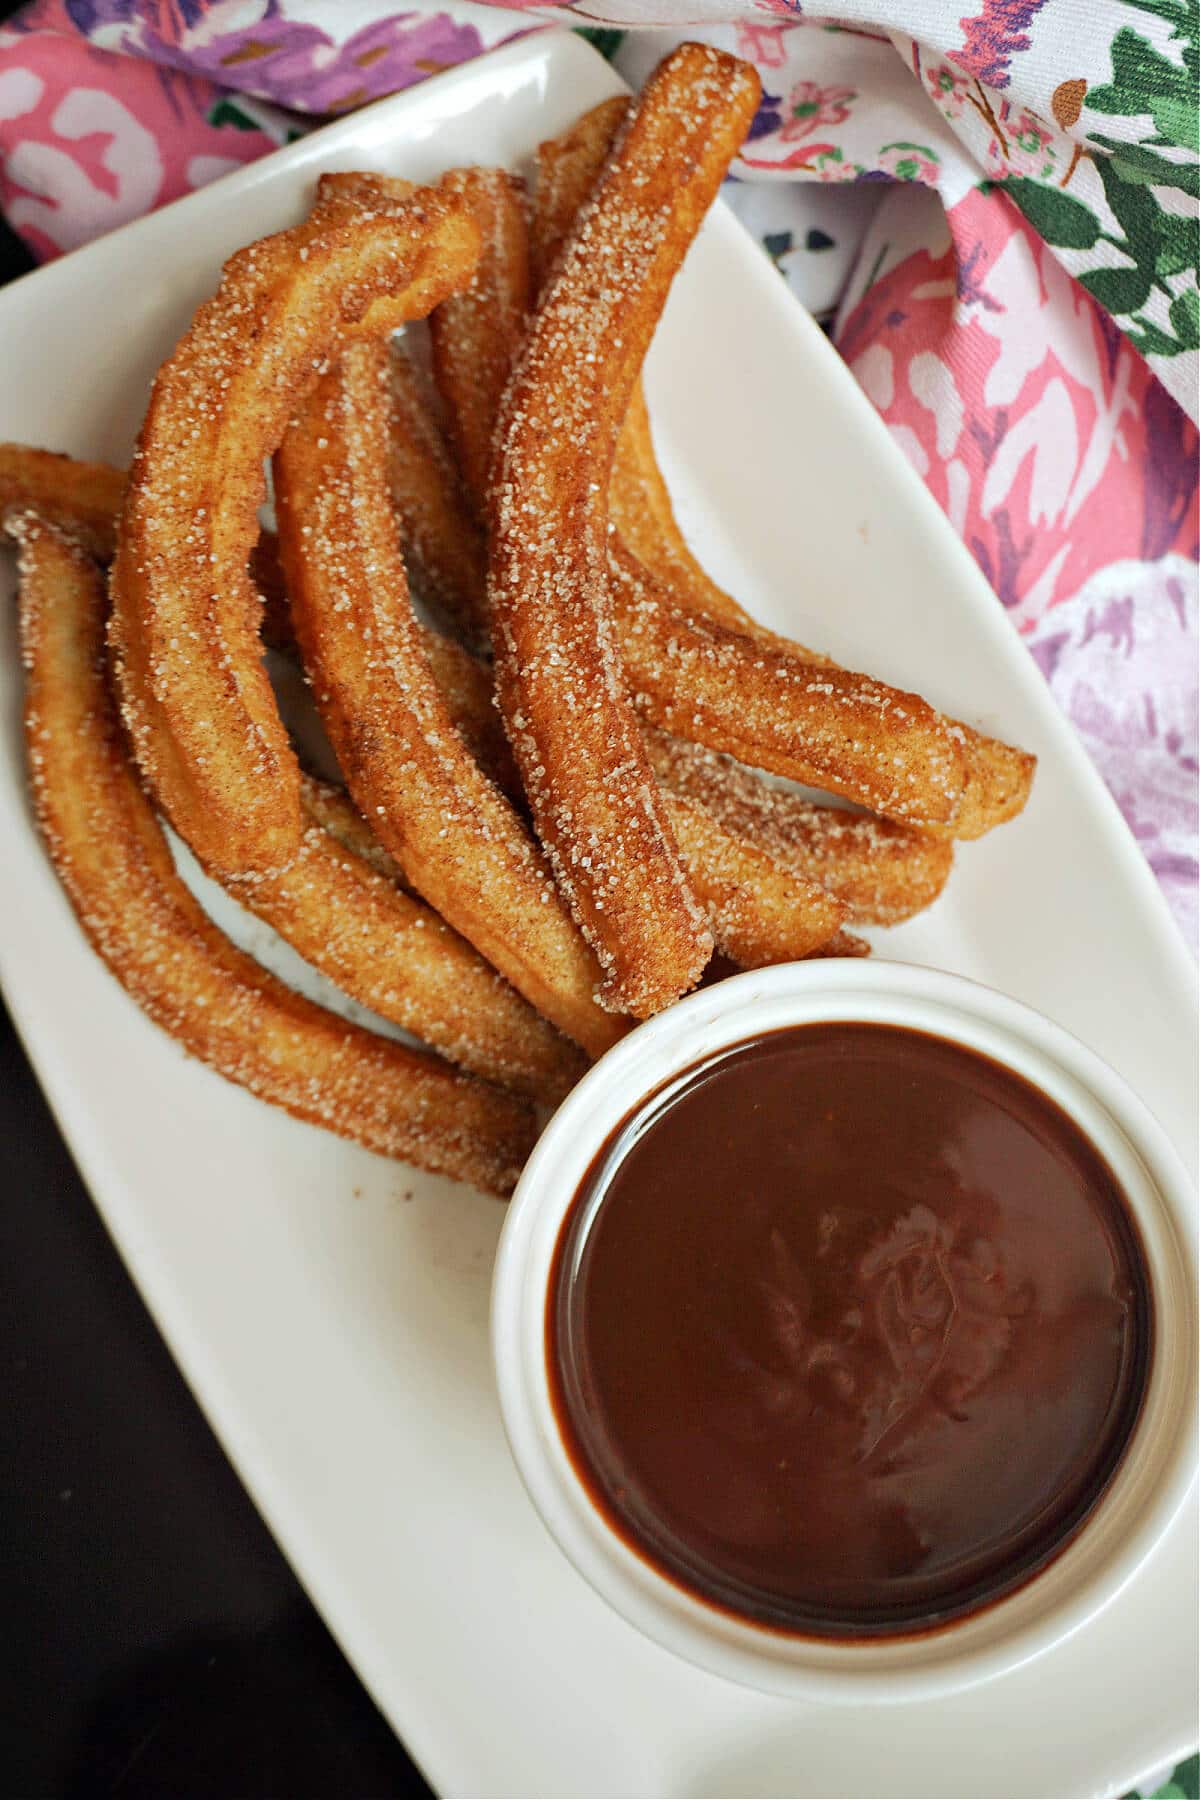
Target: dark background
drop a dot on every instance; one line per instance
(154, 1642)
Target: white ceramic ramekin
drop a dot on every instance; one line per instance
(1159, 1462)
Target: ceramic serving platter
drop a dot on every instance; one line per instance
(329, 1308)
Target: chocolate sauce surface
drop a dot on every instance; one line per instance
(847, 1330)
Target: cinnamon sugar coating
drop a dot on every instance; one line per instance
(196, 701)
(560, 681)
(114, 862)
(411, 775)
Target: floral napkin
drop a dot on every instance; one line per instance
(995, 210)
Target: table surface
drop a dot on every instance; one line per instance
(156, 1641)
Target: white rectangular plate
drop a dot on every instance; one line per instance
(329, 1308)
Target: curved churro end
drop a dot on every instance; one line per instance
(760, 911)
(111, 856)
(567, 170)
(458, 840)
(998, 783)
(882, 871)
(559, 678)
(84, 498)
(842, 943)
(344, 914)
(818, 724)
(197, 703)
(476, 332)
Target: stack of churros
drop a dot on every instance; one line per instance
(559, 804)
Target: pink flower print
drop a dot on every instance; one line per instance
(761, 44)
(909, 162)
(831, 165)
(810, 108)
(1033, 147)
(948, 88)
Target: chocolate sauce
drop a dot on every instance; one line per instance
(847, 1330)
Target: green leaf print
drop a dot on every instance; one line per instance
(1185, 319)
(228, 112)
(1118, 290)
(1178, 122)
(1178, 240)
(1138, 163)
(606, 42)
(1134, 208)
(1141, 75)
(1055, 216)
(1145, 336)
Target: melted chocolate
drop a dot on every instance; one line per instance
(848, 1329)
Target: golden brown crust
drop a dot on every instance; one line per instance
(476, 333)
(559, 680)
(83, 497)
(760, 911)
(882, 871)
(458, 840)
(466, 687)
(332, 809)
(639, 504)
(392, 953)
(198, 705)
(113, 861)
(443, 551)
(821, 725)
(997, 776)
(640, 508)
(567, 168)
(843, 943)
(998, 783)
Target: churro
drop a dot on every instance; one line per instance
(822, 725)
(409, 771)
(759, 910)
(115, 865)
(639, 503)
(567, 168)
(393, 954)
(595, 803)
(198, 705)
(881, 871)
(996, 776)
(442, 551)
(475, 334)
(83, 497)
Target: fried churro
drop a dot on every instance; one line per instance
(881, 871)
(85, 498)
(392, 953)
(475, 334)
(567, 168)
(197, 703)
(114, 862)
(456, 837)
(760, 911)
(639, 503)
(821, 725)
(443, 552)
(996, 776)
(560, 684)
